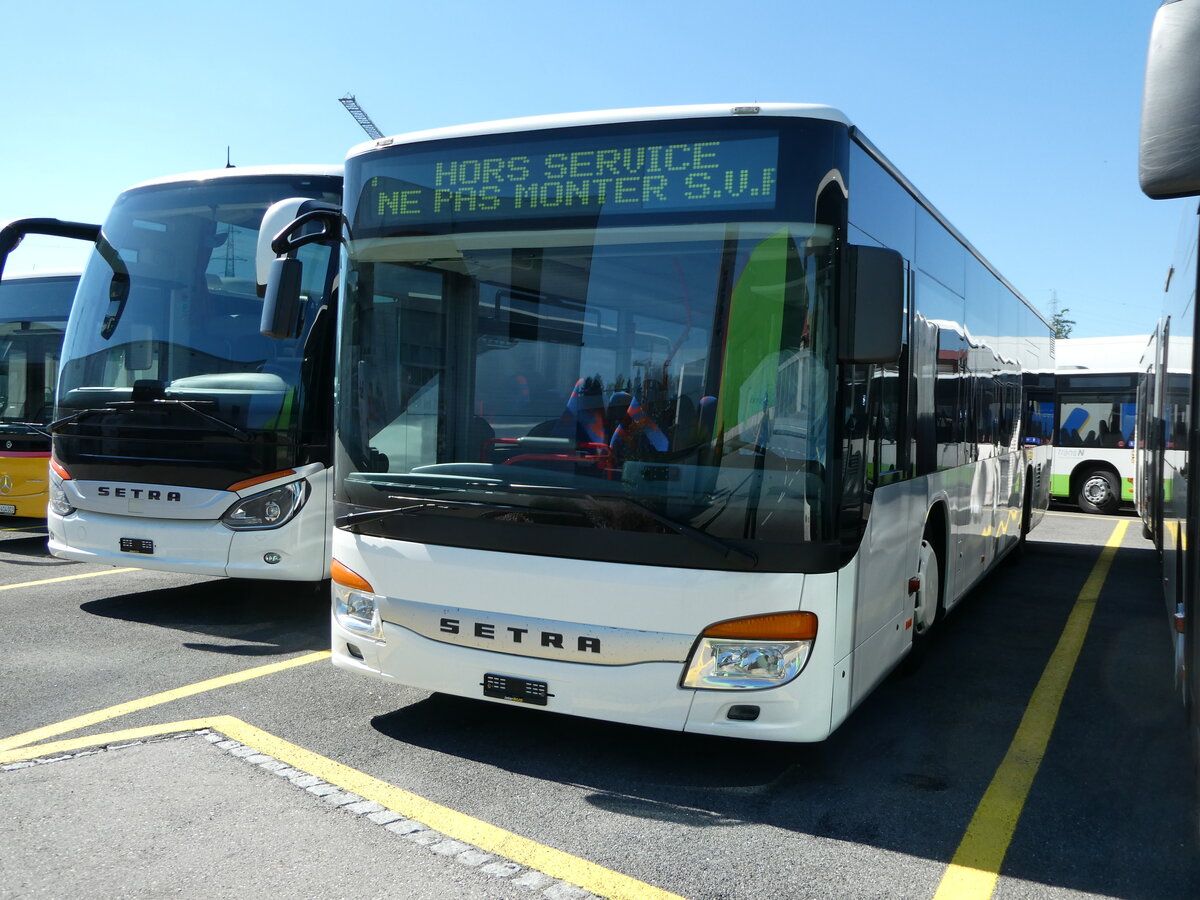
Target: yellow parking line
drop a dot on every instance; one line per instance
(25, 584)
(127, 735)
(590, 876)
(121, 709)
(975, 869)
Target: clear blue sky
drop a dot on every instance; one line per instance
(1018, 119)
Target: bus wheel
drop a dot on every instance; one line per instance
(925, 609)
(926, 606)
(1099, 492)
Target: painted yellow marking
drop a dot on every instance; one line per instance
(54, 748)
(121, 709)
(35, 529)
(594, 878)
(25, 584)
(975, 869)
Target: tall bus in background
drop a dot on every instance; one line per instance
(1169, 167)
(33, 315)
(1087, 408)
(185, 440)
(697, 418)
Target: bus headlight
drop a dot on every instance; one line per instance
(355, 603)
(270, 509)
(357, 611)
(752, 653)
(59, 504)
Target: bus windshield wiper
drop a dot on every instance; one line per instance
(121, 406)
(723, 547)
(417, 504)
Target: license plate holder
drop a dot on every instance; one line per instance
(518, 690)
(137, 545)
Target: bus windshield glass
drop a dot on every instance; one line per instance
(622, 380)
(33, 315)
(168, 302)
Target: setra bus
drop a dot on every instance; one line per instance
(185, 440)
(697, 418)
(33, 315)
(1169, 167)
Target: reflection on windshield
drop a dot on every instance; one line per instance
(685, 368)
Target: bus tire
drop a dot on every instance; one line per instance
(927, 605)
(1099, 492)
(927, 608)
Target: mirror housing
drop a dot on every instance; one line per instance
(1169, 157)
(277, 217)
(277, 271)
(281, 306)
(871, 310)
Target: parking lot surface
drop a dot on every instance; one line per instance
(166, 735)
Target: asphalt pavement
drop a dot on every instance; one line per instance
(170, 736)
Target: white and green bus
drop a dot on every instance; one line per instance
(1088, 407)
(697, 418)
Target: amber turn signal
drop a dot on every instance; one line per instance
(781, 626)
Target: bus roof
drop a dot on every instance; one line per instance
(609, 117)
(241, 172)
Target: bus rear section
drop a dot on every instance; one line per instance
(185, 439)
(33, 315)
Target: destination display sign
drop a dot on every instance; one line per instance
(655, 173)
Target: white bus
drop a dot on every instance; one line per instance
(1169, 485)
(696, 418)
(1089, 410)
(184, 439)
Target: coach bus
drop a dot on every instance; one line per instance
(697, 418)
(184, 439)
(33, 314)
(1169, 168)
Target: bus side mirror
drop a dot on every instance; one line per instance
(1169, 159)
(286, 227)
(872, 306)
(277, 217)
(281, 306)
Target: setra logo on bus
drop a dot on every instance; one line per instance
(488, 631)
(136, 494)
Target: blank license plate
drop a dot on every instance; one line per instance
(517, 689)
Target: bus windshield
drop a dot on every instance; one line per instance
(168, 301)
(656, 379)
(33, 315)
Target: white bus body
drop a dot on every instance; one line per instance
(620, 434)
